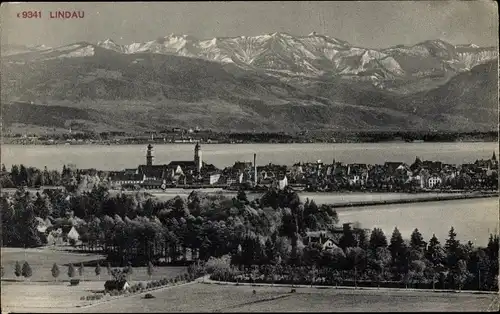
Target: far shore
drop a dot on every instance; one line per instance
(415, 200)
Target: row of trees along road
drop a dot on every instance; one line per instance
(27, 272)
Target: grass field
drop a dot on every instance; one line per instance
(42, 259)
(217, 298)
(42, 293)
(36, 296)
(199, 297)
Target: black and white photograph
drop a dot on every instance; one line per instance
(249, 156)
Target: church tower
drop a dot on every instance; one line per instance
(197, 157)
(149, 155)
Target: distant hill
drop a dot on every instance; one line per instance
(260, 85)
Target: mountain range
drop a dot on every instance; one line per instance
(268, 82)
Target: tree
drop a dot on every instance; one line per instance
(436, 255)
(452, 247)
(312, 253)
(17, 270)
(71, 271)
(462, 274)
(398, 251)
(356, 257)
(14, 174)
(129, 270)
(377, 239)
(118, 275)
(242, 196)
(26, 271)
(417, 241)
(23, 175)
(270, 250)
(98, 271)
(347, 239)
(397, 245)
(108, 269)
(362, 239)
(55, 271)
(452, 243)
(81, 270)
(379, 259)
(150, 270)
(416, 272)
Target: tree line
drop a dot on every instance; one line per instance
(22, 176)
(373, 259)
(267, 233)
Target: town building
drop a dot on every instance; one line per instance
(151, 176)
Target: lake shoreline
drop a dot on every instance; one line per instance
(235, 143)
(414, 200)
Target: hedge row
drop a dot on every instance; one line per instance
(140, 287)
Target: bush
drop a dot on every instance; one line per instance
(82, 298)
(71, 271)
(140, 285)
(149, 296)
(26, 270)
(221, 263)
(17, 269)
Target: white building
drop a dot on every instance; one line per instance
(282, 182)
(214, 178)
(433, 181)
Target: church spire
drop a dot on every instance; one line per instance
(197, 157)
(149, 155)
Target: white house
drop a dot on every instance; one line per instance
(282, 182)
(73, 235)
(433, 181)
(329, 245)
(214, 178)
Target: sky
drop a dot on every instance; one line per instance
(370, 24)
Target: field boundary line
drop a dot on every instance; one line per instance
(280, 296)
(215, 282)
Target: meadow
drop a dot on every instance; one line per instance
(42, 293)
(201, 297)
(41, 261)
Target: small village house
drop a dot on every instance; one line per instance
(111, 285)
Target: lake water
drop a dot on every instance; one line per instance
(117, 157)
(473, 219)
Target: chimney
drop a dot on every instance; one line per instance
(255, 168)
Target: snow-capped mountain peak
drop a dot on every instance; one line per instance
(280, 53)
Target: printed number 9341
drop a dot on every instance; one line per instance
(30, 14)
